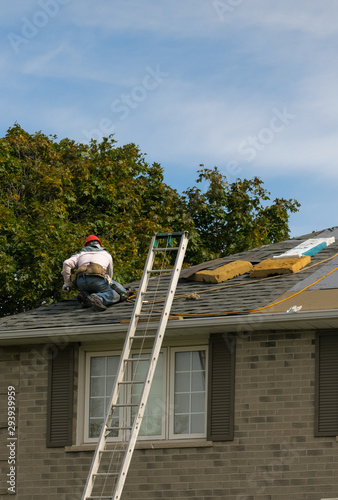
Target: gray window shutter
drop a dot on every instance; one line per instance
(221, 387)
(60, 398)
(326, 398)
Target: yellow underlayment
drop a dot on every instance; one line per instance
(289, 265)
(223, 273)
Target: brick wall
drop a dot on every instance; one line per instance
(274, 455)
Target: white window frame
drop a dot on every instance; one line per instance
(171, 392)
(90, 355)
(168, 394)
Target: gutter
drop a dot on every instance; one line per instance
(241, 324)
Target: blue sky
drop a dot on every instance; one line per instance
(249, 86)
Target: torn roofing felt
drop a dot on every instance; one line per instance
(239, 295)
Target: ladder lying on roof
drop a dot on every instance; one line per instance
(111, 461)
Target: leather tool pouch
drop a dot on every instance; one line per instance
(95, 270)
(91, 269)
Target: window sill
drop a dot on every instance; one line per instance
(147, 445)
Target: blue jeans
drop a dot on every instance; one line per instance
(95, 285)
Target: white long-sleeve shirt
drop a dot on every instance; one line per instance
(101, 257)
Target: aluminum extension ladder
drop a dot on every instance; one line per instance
(102, 469)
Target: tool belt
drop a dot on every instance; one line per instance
(90, 269)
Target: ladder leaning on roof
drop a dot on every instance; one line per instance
(110, 465)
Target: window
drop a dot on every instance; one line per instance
(188, 394)
(102, 370)
(177, 402)
(192, 394)
(326, 384)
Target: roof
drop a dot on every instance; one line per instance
(200, 303)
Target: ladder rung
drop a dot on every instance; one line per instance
(160, 271)
(124, 405)
(158, 249)
(113, 450)
(137, 359)
(117, 429)
(160, 236)
(105, 474)
(92, 497)
(131, 382)
(142, 337)
(146, 314)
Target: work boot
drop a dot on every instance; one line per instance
(83, 300)
(97, 303)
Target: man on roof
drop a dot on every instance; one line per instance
(93, 276)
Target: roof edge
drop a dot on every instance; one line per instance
(241, 324)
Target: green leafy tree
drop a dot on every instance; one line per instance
(233, 217)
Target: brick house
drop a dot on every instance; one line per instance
(245, 399)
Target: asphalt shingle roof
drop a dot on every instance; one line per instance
(239, 294)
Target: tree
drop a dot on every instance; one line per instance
(234, 217)
(55, 193)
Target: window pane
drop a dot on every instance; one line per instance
(96, 407)
(198, 382)
(189, 392)
(181, 424)
(198, 360)
(197, 423)
(98, 387)
(182, 361)
(197, 402)
(112, 364)
(182, 382)
(182, 403)
(96, 367)
(109, 385)
(95, 427)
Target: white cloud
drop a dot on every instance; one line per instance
(203, 18)
(41, 64)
